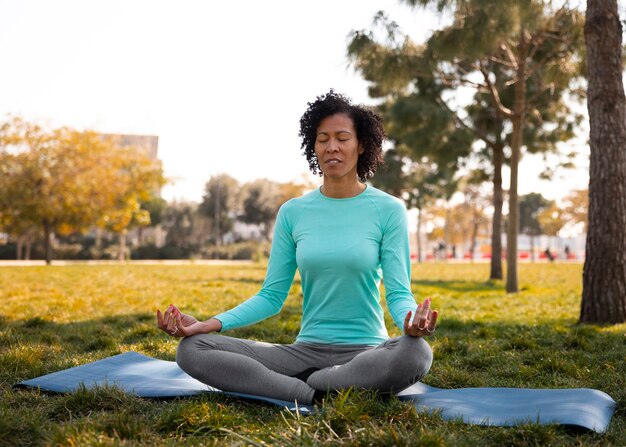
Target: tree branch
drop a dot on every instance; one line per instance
(472, 129)
(494, 94)
(510, 55)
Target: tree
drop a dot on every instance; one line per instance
(49, 178)
(133, 179)
(551, 219)
(575, 207)
(24, 233)
(530, 207)
(220, 203)
(12, 220)
(261, 200)
(155, 206)
(604, 271)
(186, 229)
(290, 190)
(64, 181)
(473, 209)
(519, 58)
(418, 184)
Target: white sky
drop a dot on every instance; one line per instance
(223, 84)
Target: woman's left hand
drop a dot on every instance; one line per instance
(176, 323)
(424, 322)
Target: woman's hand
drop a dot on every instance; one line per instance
(424, 322)
(178, 324)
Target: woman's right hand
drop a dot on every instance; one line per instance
(423, 323)
(177, 324)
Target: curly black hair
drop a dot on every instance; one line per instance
(367, 123)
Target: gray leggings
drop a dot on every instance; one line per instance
(266, 369)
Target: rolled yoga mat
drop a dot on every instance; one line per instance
(153, 378)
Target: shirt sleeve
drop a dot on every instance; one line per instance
(281, 270)
(396, 265)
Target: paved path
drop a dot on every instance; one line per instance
(12, 263)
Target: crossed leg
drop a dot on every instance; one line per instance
(267, 369)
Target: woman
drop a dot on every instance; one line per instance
(341, 237)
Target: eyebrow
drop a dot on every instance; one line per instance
(339, 131)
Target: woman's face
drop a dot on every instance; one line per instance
(336, 147)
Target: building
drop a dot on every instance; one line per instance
(148, 144)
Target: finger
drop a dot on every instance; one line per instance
(166, 319)
(170, 320)
(171, 325)
(173, 312)
(163, 322)
(420, 321)
(418, 312)
(433, 321)
(179, 324)
(407, 321)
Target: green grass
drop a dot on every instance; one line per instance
(57, 317)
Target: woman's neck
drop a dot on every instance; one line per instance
(342, 189)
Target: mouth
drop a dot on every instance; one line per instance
(333, 161)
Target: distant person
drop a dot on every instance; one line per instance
(549, 254)
(341, 237)
(442, 250)
(567, 252)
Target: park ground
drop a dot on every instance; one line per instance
(57, 317)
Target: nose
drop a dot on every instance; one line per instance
(333, 145)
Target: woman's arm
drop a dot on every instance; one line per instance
(269, 301)
(395, 260)
(396, 266)
(281, 270)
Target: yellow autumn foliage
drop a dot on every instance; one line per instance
(64, 180)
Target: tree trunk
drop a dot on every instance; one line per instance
(519, 107)
(267, 231)
(29, 246)
(47, 240)
(473, 239)
(419, 235)
(496, 230)
(218, 231)
(121, 256)
(20, 248)
(446, 231)
(98, 243)
(604, 272)
(532, 248)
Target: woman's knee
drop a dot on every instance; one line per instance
(423, 357)
(189, 348)
(185, 353)
(414, 358)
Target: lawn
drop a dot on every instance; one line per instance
(61, 316)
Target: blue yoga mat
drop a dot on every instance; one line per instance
(153, 378)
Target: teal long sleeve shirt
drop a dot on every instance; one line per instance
(342, 248)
